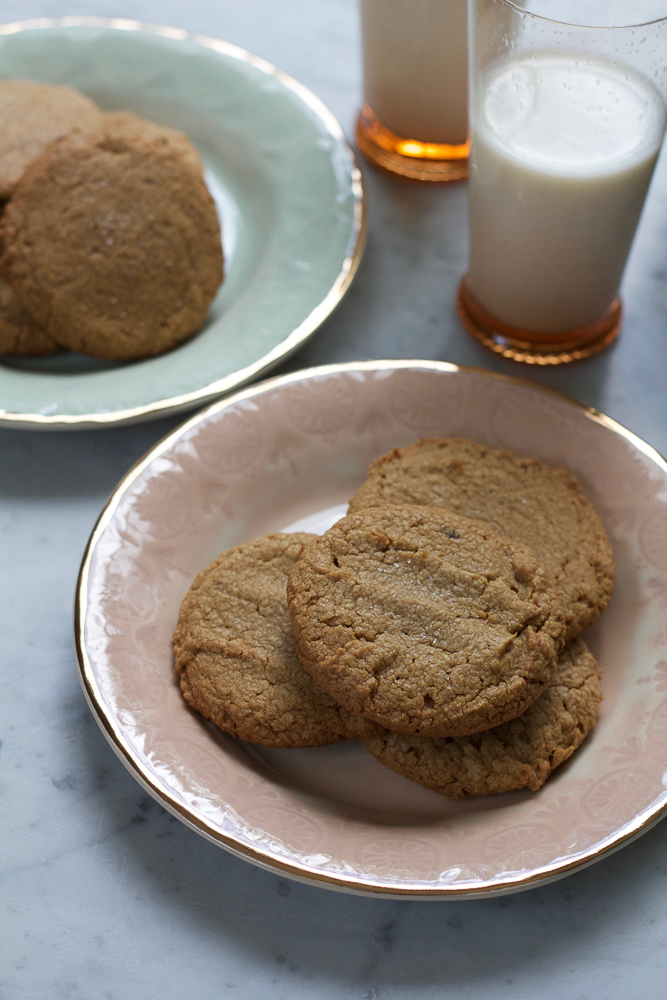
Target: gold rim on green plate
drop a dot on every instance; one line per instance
(286, 183)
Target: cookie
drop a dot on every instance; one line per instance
(521, 753)
(20, 334)
(235, 652)
(424, 621)
(32, 116)
(125, 125)
(113, 245)
(530, 502)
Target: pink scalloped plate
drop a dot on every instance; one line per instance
(289, 453)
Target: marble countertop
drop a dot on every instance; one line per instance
(106, 896)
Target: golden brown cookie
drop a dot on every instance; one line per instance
(32, 116)
(531, 502)
(20, 334)
(113, 245)
(235, 652)
(125, 125)
(424, 621)
(521, 753)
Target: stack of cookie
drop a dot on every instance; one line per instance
(110, 237)
(438, 622)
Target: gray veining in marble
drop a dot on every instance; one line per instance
(107, 897)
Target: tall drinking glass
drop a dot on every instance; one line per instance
(414, 120)
(568, 112)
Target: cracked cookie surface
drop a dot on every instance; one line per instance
(523, 498)
(125, 125)
(112, 243)
(521, 753)
(20, 334)
(235, 651)
(424, 621)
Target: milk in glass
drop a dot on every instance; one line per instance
(415, 67)
(563, 150)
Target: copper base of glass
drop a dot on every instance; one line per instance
(410, 159)
(537, 348)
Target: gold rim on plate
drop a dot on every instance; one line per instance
(301, 872)
(297, 337)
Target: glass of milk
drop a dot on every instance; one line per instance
(414, 120)
(567, 118)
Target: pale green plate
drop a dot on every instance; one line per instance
(288, 192)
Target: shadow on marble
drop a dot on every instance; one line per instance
(311, 933)
(61, 464)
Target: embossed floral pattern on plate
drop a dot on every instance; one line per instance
(290, 452)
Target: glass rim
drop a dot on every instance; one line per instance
(570, 24)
